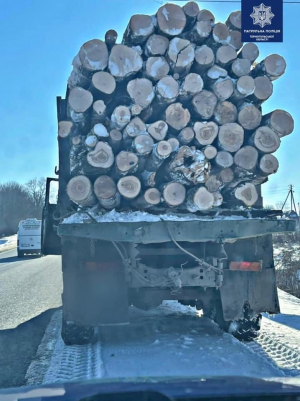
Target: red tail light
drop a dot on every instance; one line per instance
(246, 266)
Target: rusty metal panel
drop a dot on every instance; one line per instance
(192, 231)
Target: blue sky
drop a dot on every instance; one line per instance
(38, 40)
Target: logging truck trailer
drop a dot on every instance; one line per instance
(220, 262)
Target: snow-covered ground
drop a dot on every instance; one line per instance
(7, 243)
(173, 340)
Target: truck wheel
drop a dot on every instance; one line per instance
(20, 254)
(74, 334)
(244, 329)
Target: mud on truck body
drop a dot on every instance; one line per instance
(221, 262)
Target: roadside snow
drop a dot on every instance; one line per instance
(7, 243)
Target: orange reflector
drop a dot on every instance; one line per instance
(246, 266)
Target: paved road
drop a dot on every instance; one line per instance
(28, 287)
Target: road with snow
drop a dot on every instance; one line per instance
(29, 286)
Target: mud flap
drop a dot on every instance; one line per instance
(94, 293)
(257, 288)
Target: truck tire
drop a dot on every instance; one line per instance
(74, 334)
(246, 329)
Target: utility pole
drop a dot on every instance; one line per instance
(291, 193)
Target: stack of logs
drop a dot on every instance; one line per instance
(172, 116)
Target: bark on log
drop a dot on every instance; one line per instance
(140, 27)
(126, 163)
(79, 103)
(204, 104)
(111, 37)
(174, 194)
(199, 199)
(213, 183)
(265, 140)
(247, 194)
(236, 40)
(191, 86)
(226, 175)
(180, 56)
(142, 144)
(206, 15)
(273, 66)
(249, 51)
(268, 164)
(99, 112)
(120, 117)
(279, 121)
(148, 178)
(151, 197)
(93, 56)
(199, 32)
(218, 199)
(118, 68)
(129, 186)
(160, 152)
(101, 157)
(65, 128)
(188, 166)
(204, 59)
(156, 45)
(223, 88)
(225, 55)
(224, 159)
(167, 90)
(156, 68)
(186, 136)
(171, 20)
(76, 77)
(243, 87)
(263, 90)
(249, 116)
(106, 192)
(174, 144)
(103, 85)
(136, 110)
(234, 21)
(231, 137)
(115, 140)
(80, 191)
(77, 140)
(158, 130)
(246, 158)
(134, 128)
(240, 67)
(225, 113)
(177, 117)
(205, 133)
(191, 10)
(209, 152)
(141, 91)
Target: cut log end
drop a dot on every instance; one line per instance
(64, 128)
(103, 83)
(268, 164)
(157, 68)
(104, 187)
(80, 191)
(199, 199)
(205, 133)
(174, 144)
(241, 67)
(174, 193)
(186, 136)
(80, 100)
(111, 37)
(167, 89)
(126, 162)
(116, 65)
(177, 117)
(143, 144)
(263, 88)
(156, 45)
(152, 196)
(141, 91)
(247, 194)
(171, 19)
(250, 51)
(102, 156)
(227, 175)
(231, 137)
(236, 40)
(204, 104)
(225, 113)
(280, 122)
(246, 158)
(234, 21)
(249, 116)
(158, 130)
(265, 140)
(129, 187)
(206, 15)
(274, 66)
(94, 55)
(224, 159)
(209, 152)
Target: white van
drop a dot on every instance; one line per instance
(29, 237)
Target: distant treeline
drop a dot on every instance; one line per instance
(19, 202)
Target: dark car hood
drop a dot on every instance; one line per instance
(175, 388)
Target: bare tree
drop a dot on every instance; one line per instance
(36, 189)
(15, 205)
(269, 207)
(279, 205)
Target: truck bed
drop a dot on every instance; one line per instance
(146, 228)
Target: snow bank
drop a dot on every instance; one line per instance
(7, 243)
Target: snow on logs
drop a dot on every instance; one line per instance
(172, 116)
